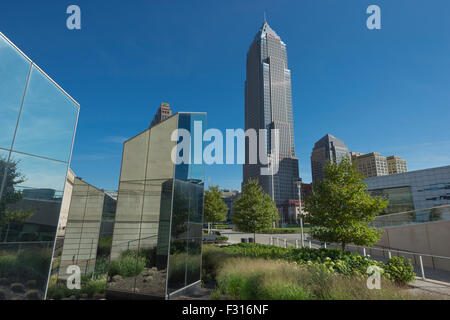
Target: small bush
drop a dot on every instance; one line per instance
(400, 270)
(32, 295)
(129, 264)
(17, 287)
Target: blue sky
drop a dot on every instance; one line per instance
(385, 90)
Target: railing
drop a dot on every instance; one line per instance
(427, 266)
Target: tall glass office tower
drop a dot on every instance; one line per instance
(37, 128)
(268, 105)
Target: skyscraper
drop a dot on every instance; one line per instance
(162, 114)
(328, 148)
(268, 105)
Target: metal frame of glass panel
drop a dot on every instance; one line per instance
(41, 119)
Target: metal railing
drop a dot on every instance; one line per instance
(427, 266)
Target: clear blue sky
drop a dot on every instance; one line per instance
(386, 90)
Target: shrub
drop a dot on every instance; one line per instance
(93, 287)
(334, 260)
(261, 279)
(400, 270)
(32, 295)
(2, 295)
(129, 264)
(17, 287)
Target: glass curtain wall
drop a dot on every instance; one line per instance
(37, 127)
(159, 215)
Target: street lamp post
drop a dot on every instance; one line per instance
(298, 182)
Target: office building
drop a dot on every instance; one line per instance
(162, 114)
(37, 128)
(396, 165)
(159, 216)
(371, 164)
(413, 190)
(268, 105)
(328, 149)
(229, 197)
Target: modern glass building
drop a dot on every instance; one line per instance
(414, 190)
(37, 128)
(157, 239)
(268, 105)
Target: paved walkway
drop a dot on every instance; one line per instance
(440, 289)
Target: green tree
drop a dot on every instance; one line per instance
(10, 177)
(340, 209)
(254, 210)
(214, 209)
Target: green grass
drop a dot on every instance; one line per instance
(260, 279)
(336, 261)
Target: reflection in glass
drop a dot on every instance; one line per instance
(29, 217)
(31, 186)
(50, 135)
(158, 218)
(14, 68)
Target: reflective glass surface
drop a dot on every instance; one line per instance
(14, 68)
(159, 215)
(187, 214)
(51, 135)
(32, 184)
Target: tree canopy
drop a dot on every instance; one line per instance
(340, 209)
(10, 175)
(215, 209)
(254, 210)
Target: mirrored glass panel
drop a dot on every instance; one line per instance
(14, 68)
(187, 214)
(47, 121)
(29, 216)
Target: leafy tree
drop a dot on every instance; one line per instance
(254, 210)
(9, 177)
(214, 209)
(340, 209)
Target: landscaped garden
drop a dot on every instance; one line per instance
(254, 271)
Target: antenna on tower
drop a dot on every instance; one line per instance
(265, 18)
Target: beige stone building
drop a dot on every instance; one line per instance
(396, 165)
(371, 164)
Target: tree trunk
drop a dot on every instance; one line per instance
(343, 246)
(254, 237)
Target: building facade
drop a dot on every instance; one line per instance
(327, 149)
(88, 229)
(396, 165)
(162, 114)
(413, 190)
(371, 164)
(268, 105)
(37, 128)
(159, 216)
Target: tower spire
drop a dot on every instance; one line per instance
(265, 18)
